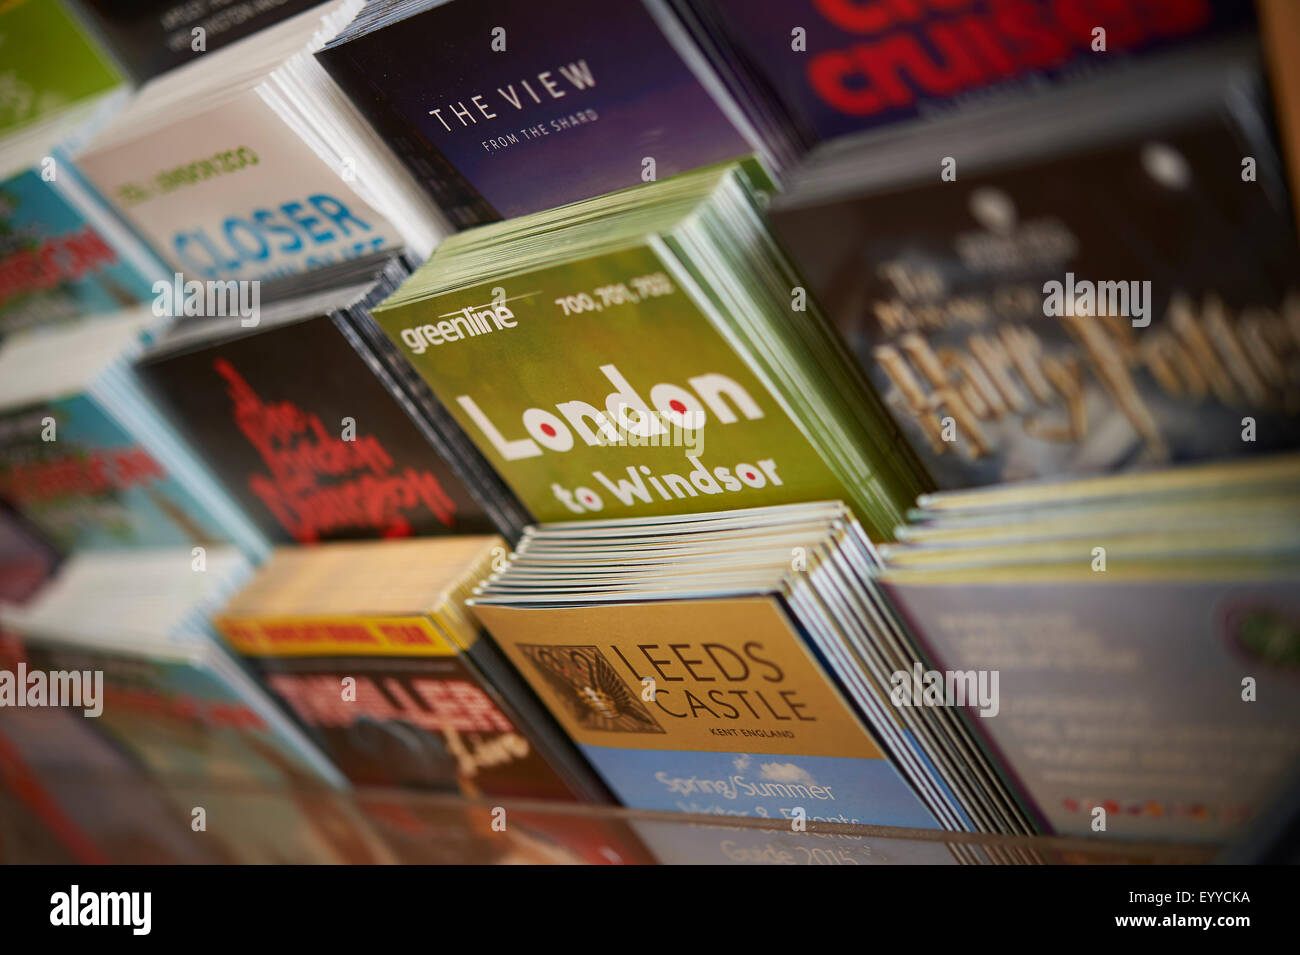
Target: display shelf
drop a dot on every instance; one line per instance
(128, 820)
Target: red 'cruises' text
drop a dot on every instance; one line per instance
(914, 49)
